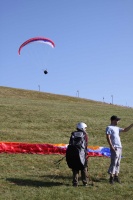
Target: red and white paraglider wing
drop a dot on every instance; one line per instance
(37, 39)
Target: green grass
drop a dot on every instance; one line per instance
(36, 117)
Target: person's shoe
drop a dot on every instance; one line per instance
(85, 184)
(75, 185)
(116, 179)
(111, 180)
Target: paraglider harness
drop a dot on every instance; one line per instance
(76, 152)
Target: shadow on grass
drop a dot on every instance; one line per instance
(33, 183)
(98, 179)
(52, 177)
(51, 183)
(59, 177)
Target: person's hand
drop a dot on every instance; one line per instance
(113, 148)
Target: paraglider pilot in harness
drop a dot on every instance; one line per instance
(76, 154)
(45, 71)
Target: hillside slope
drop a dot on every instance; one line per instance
(37, 117)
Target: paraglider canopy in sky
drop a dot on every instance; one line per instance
(37, 39)
(38, 54)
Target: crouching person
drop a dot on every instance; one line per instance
(76, 154)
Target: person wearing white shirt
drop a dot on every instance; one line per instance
(114, 141)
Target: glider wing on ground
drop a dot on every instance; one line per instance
(32, 148)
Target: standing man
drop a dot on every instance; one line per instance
(76, 154)
(114, 141)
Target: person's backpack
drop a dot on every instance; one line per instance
(76, 151)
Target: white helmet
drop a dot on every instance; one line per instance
(81, 126)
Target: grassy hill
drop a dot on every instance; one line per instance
(37, 117)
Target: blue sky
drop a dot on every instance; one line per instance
(93, 53)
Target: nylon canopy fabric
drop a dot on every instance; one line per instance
(37, 39)
(46, 148)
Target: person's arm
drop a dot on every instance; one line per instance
(109, 142)
(127, 128)
(86, 138)
(70, 138)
